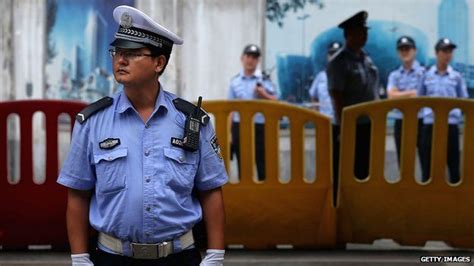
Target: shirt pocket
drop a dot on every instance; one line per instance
(182, 167)
(111, 170)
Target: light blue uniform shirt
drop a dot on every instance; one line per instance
(319, 91)
(449, 85)
(243, 88)
(142, 187)
(405, 80)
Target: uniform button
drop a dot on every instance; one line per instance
(148, 209)
(147, 125)
(109, 158)
(147, 152)
(181, 158)
(148, 180)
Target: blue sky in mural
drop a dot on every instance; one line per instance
(72, 21)
(81, 36)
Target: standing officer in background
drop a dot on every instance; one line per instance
(405, 82)
(251, 84)
(441, 80)
(135, 171)
(319, 88)
(353, 78)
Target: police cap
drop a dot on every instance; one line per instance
(445, 43)
(252, 49)
(138, 30)
(405, 41)
(359, 20)
(334, 47)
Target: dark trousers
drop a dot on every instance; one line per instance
(398, 139)
(453, 152)
(259, 147)
(362, 152)
(190, 257)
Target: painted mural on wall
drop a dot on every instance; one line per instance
(297, 38)
(78, 64)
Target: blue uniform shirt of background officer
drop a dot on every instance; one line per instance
(251, 84)
(319, 88)
(405, 82)
(441, 80)
(142, 193)
(353, 78)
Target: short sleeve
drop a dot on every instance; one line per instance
(391, 83)
(336, 75)
(269, 88)
(231, 93)
(461, 88)
(211, 170)
(422, 87)
(78, 171)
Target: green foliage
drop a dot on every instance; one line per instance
(277, 9)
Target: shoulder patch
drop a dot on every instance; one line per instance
(188, 108)
(93, 108)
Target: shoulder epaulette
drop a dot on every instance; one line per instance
(93, 108)
(235, 76)
(188, 108)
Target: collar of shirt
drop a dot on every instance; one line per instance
(449, 71)
(256, 74)
(415, 66)
(124, 103)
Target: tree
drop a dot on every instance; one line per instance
(277, 9)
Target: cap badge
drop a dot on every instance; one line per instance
(404, 40)
(126, 20)
(446, 41)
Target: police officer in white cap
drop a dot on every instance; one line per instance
(144, 166)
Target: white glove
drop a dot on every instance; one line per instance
(214, 257)
(81, 260)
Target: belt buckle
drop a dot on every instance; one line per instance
(149, 251)
(162, 249)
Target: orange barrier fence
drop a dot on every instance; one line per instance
(407, 211)
(266, 214)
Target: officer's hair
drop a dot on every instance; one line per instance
(157, 52)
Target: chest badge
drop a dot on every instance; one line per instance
(109, 143)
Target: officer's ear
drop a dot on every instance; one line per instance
(161, 62)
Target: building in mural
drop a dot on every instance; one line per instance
(79, 66)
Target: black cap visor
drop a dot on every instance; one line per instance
(126, 44)
(405, 45)
(450, 46)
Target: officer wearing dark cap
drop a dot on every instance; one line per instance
(353, 78)
(442, 80)
(319, 88)
(405, 82)
(135, 171)
(251, 83)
